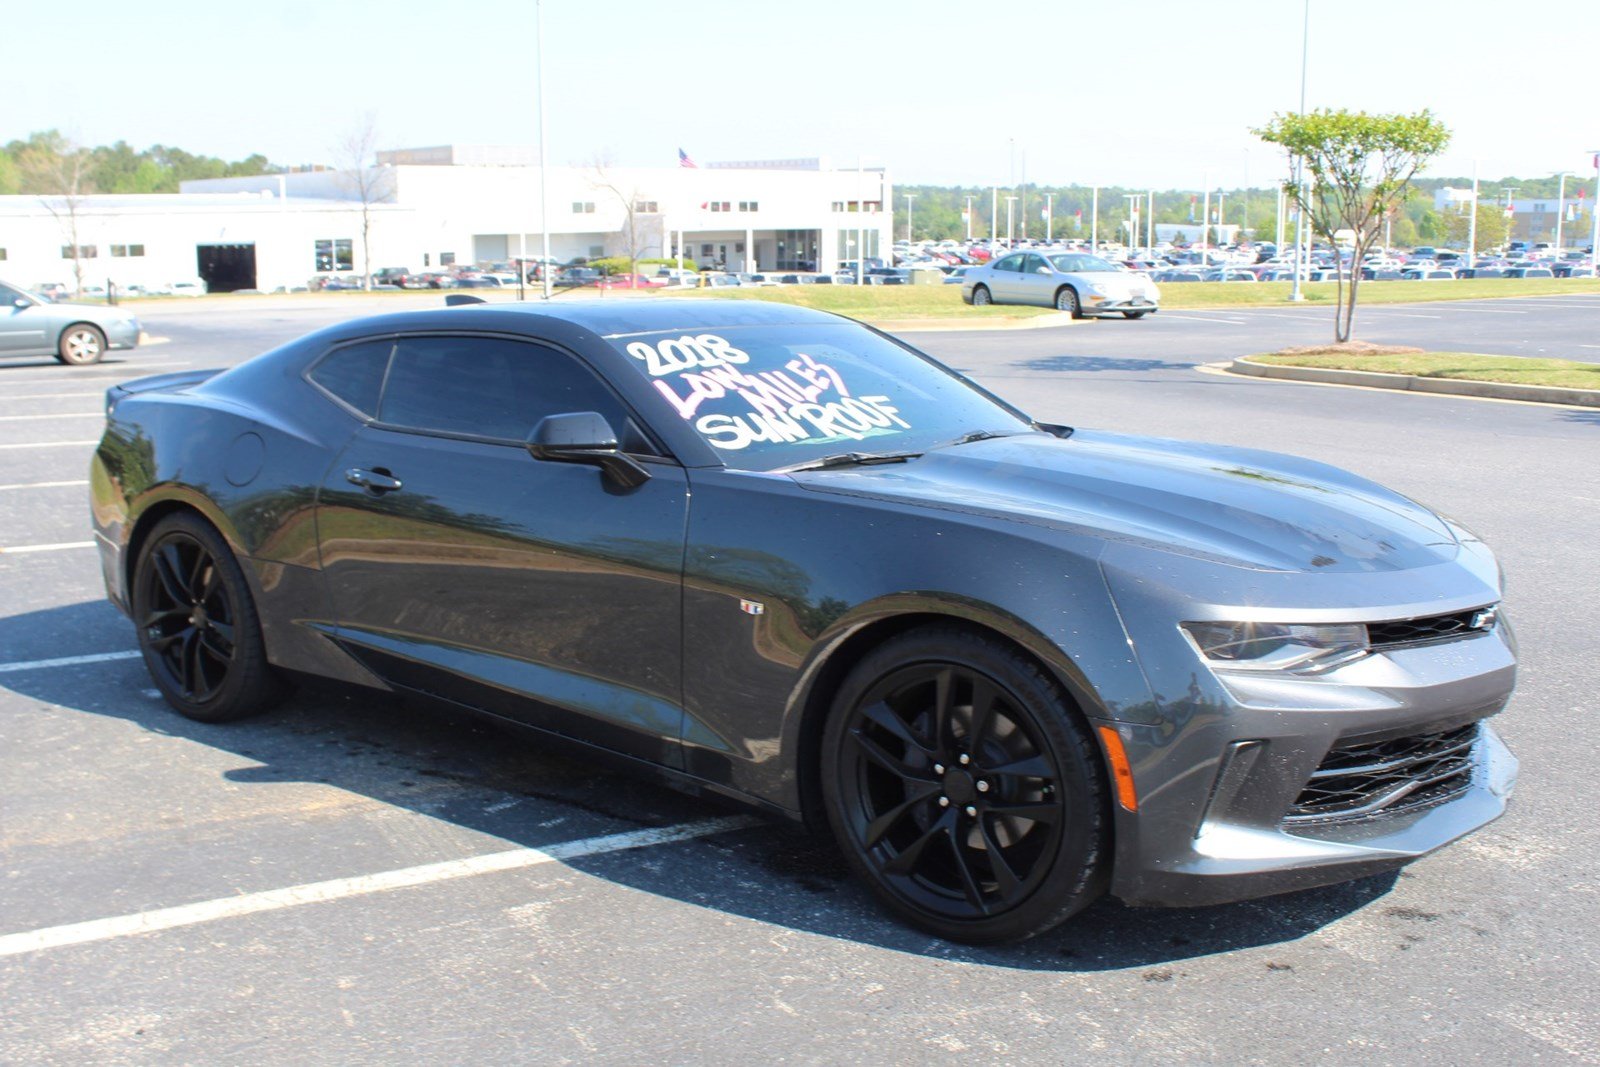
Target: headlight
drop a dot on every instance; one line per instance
(1272, 646)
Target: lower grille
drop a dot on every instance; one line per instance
(1387, 777)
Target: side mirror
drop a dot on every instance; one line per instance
(22, 302)
(585, 437)
(1041, 270)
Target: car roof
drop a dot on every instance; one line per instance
(608, 318)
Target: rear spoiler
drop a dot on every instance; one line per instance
(158, 383)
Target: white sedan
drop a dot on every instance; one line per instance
(1068, 281)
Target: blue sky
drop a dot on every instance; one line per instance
(1156, 93)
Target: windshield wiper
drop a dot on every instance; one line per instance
(850, 459)
(968, 438)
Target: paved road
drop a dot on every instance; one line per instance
(752, 944)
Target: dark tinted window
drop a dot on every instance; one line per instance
(490, 387)
(1033, 264)
(1011, 263)
(354, 374)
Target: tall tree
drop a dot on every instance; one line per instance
(1360, 166)
(368, 182)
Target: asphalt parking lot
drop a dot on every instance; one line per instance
(351, 879)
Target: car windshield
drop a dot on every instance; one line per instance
(1080, 264)
(776, 396)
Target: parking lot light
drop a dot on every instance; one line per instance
(1594, 217)
(1561, 204)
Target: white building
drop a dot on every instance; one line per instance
(435, 207)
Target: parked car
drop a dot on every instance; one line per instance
(76, 334)
(1012, 665)
(1074, 282)
(1529, 272)
(396, 276)
(628, 281)
(1427, 274)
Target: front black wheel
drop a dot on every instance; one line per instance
(197, 625)
(1067, 300)
(963, 790)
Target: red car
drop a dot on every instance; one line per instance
(628, 281)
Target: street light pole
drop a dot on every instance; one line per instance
(1049, 218)
(1472, 224)
(1133, 220)
(1011, 203)
(1299, 163)
(544, 188)
(994, 215)
(1594, 219)
(970, 199)
(1150, 225)
(1561, 208)
(910, 213)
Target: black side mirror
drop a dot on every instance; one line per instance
(585, 437)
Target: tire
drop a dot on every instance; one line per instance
(1134, 314)
(80, 345)
(197, 625)
(981, 297)
(1067, 300)
(999, 848)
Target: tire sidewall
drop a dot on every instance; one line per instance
(1070, 295)
(250, 684)
(1078, 873)
(64, 354)
(982, 297)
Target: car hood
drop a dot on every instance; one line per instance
(1241, 507)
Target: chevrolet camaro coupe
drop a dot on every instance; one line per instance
(777, 555)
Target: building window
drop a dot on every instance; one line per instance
(126, 251)
(749, 205)
(335, 254)
(447, 259)
(2, 254)
(705, 250)
(84, 251)
(720, 205)
(583, 207)
(645, 207)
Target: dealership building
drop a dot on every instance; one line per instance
(451, 205)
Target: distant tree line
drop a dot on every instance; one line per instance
(48, 162)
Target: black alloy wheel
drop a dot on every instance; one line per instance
(197, 626)
(962, 790)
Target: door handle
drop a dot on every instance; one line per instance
(379, 481)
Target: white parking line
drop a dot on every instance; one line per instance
(40, 485)
(1167, 315)
(340, 888)
(57, 415)
(17, 550)
(67, 661)
(51, 444)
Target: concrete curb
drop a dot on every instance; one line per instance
(1539, 394)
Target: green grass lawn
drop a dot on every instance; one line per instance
(1468, 366)
(899, 303)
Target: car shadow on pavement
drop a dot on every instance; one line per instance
(1091, 364)
(457, 767)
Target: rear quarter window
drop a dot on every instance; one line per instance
(354, 374)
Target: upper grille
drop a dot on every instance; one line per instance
(1388, 777)
(1431, 628)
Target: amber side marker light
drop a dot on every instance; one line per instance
(1120, 771)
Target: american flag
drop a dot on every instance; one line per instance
(684, 160)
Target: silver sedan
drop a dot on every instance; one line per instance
(76, 334)
(1074, 282)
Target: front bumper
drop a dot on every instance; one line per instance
(128, 334)
(1096, 306)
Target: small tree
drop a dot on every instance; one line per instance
(1360, 167)
(641, 230)
(367, 182)
(1491, 226)
(58, 171)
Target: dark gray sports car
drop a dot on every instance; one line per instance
(778, 555)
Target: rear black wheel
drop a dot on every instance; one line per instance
(963, 790)
(197, 625)
(981, 297)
